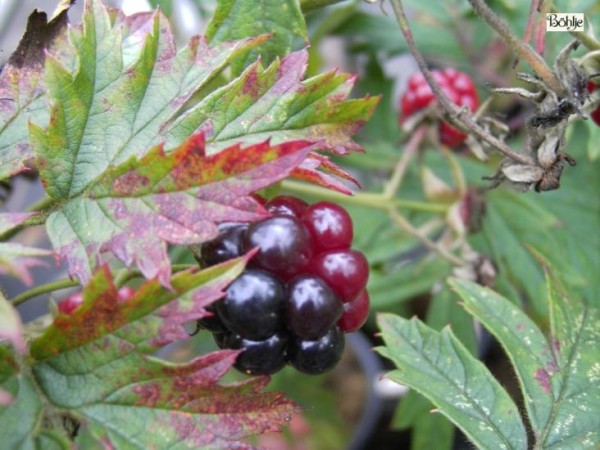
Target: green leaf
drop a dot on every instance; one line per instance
(559, 376)
(21, 89)
(435, 431)
(524, 343)
(438, 366)
(106, 112)
(415, 410)
(575, 339)
(276, 103)
(22, 414)
(98, 366)
(562, 225)
(512, 221)
(282, 19)
(405, 283)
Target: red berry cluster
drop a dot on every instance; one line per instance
(302, 290)
(591, 87)
(457, 86)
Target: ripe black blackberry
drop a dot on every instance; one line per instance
(300, 293)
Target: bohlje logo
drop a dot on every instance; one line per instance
(564, 21)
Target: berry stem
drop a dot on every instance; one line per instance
(43, 289)
(400, 170)
(408, 228)
(366, 199)
(522, 49)
(458, 117)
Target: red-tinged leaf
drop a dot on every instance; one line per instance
(97, 365)
(110, 107)
(134, 209)
(103, 313)
(21, 90)
(276, 103)
(307, 171)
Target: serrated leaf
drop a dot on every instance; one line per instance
(21, 89)
(134, 209)
(560, 376)
(106, 112)
(575, 339)
(524, 343)
(282, 19)
(438, 366)
(414, 410)
(276, 103)
(98, 365)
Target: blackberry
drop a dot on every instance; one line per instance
(299, 294)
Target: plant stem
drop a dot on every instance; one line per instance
(43, 289)
(367, 199)
(37, 219)
(400, 170)
(459, 117)
(522, 49)
(310, 5)
(407, 227)
(120, 279)
(42, 205)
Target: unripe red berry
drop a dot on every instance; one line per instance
(458, 86)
